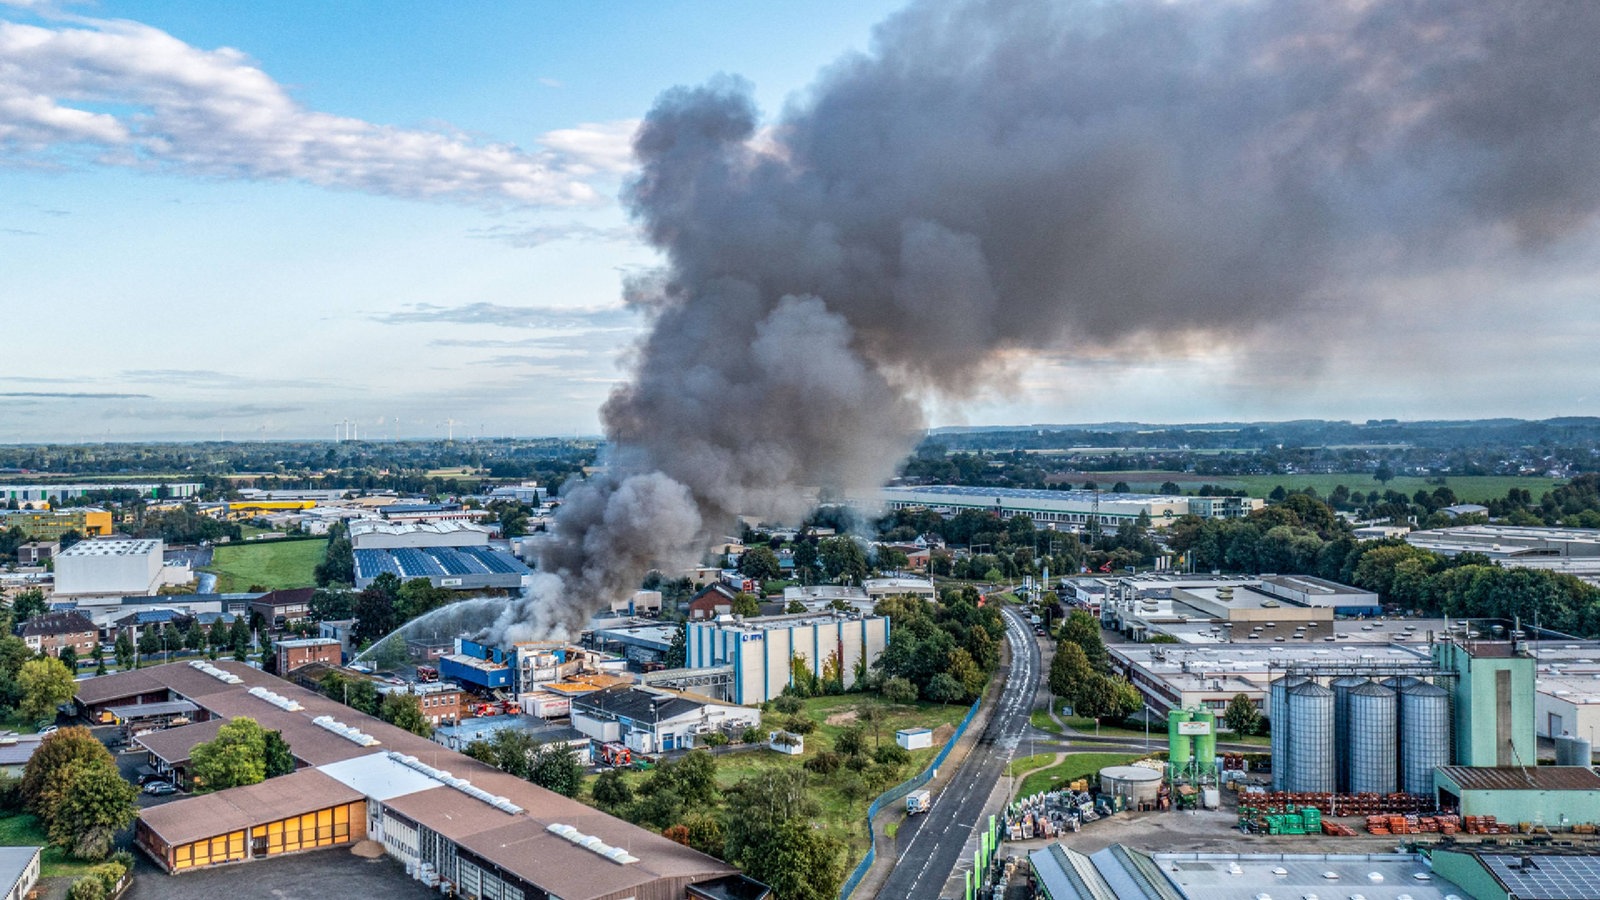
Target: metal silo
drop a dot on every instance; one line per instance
(1424, 735)
(1312, 750)
(1278, 719)
(1370, 751)
(1177, 744)
(1205, 745)
(1341, 724)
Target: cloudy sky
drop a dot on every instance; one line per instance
(248, 220)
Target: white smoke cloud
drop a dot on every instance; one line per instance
(213, 113)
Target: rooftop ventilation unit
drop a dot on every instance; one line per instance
(591, 843)
(278, 700)
(214, 672)
(345, 731)
(460, 784)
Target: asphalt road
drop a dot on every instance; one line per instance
(934, 844)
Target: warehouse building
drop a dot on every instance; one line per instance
(1122, 873)
(112, 568)
(656, 721)
(1059, 510)
(1544, 795)
(1208, 676)
(455, 555)
(1529, 874)
(762, 650)
(456, 823)
(26, 494)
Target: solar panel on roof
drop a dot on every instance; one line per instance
(1549, 877)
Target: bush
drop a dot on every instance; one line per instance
(752, 735)
(87, 887)
(899, 690)
(10, 794)
(714, 739)
(801, 724)
(788, 704)
(825, 763)
(892, 755)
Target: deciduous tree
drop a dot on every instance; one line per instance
(44, 684)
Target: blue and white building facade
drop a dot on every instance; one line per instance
(763, 651)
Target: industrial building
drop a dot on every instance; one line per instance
(297, 652)
(1071, 511)
(899, 586)
(1122, 873)
(51, 524)
(454, 555)
(114, 568)
(1143, 606)
(648, 720)
(455, 823)
(762, 651)
(1529, 874)
(1572, 551)
(26, 494)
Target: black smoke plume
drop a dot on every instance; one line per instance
(1006, 176)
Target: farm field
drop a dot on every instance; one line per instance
(270, 564)
(1468, 488)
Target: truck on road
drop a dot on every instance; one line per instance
(918, 802)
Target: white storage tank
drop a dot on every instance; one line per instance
(1135, 784)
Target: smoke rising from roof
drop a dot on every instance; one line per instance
(1005, 176)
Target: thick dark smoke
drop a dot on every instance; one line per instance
(1010, 176)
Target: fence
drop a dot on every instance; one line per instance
(896, 793)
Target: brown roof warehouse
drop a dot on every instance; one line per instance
(450, 818)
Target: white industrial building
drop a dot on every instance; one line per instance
(761, 650)
(38, 493)
(899, 586)
(1566, 687)
(1570, 551)
(111, 568)
(656, 721)
(1059, 510)
(373, 534)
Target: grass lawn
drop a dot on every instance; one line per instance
(843, 815)
(271, 564)
(12, 720)
(1075, 766)
(1085, 725)
(1028, 763)
(1042, 721)
(23, 830)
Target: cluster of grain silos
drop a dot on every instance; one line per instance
(1191, 744)
(1358, 736)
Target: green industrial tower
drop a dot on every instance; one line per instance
(1493, 702)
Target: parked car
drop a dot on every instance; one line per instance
(160, 788)
(48, 729)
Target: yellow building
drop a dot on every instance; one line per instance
(50, 525)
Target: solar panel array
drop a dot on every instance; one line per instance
(435, 562)
(495, 562)
(1550, 877)
(372, 563)
(416, 564)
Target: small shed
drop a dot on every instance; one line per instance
(914, 738)
(786, 742)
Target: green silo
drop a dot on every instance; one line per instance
(1178, 745)
(1205, 745)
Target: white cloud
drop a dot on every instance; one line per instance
(122, 93)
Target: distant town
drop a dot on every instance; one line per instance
(998, 672)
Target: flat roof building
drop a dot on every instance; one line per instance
(109, 568)
(462, 824)
(762, 650)
(1059, 510)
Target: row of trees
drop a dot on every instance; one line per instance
(551, 766)
(1080, 673)
(763, 824)
(398, 708)
(946, 651)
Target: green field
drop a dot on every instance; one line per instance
(1028, 763)
(1468, 488)
(23, 830)
(843, 815)
(270, 564)
(1075, 766)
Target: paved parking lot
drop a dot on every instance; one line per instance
(318, 875)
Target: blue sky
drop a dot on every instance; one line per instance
(258, 219)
